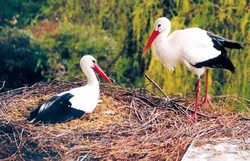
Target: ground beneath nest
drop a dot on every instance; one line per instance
(129, 124)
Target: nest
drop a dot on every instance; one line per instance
(129, 124)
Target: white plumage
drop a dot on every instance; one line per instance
(195, 48)
(74, 103)
(85, 98)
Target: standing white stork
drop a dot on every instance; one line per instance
(195, 48)
(74, 103)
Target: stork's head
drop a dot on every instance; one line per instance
(162, 24)
(89, 63)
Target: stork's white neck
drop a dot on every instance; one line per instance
(166, 31)
(162, 38)
(164, 51)
(90, 74)
(91, 77)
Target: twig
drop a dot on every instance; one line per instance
(177, 106)
(157, 86)
(245, 118)
(2, 85)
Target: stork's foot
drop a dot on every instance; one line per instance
(206, 101)
(192, 119)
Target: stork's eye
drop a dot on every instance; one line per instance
(94, 61)
(159, 25)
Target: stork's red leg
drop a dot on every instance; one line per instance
(196, 104)
(206, 99)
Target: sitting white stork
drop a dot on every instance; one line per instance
(74, 103)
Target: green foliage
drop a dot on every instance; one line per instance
(18, 13)
(118, 18)
(22, 60)
(129, 23)
(116, 31)
(67, 44)
(229, 19)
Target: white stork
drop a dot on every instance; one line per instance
(74, 103)
(195, 48)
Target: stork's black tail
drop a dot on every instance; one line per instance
(225, 42)
(221, 61)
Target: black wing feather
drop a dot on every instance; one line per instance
(222, 61)
(57, 110)
(225, 42)
(34, 113)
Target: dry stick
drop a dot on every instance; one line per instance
(245, 118)
(2, 85)
(157, 86)
(176, 105)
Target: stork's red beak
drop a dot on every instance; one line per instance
(101, 73)
(151, 39)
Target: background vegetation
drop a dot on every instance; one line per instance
(43, 40)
